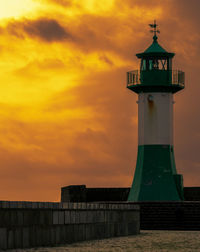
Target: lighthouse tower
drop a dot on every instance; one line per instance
(155, 83)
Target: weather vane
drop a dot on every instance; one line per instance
(155, 30)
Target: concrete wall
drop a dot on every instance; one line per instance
(33, 224)
(80, 193)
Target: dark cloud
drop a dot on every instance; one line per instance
(48, 30)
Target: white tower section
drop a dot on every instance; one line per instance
(155, 118)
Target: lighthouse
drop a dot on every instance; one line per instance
(156, 82)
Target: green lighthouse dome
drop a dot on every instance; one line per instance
(155, 50)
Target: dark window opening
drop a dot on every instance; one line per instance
(155, 64)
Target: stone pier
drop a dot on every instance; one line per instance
(34, 224)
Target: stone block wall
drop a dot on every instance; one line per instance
(33, 224)
(173, 215)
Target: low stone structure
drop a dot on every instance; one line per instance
(173, 215)
(33, 224)
(192, 193)
(80, 193)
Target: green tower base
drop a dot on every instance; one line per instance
(155, 175)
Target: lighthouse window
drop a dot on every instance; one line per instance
(150, 64)
(143, 64)
(163, 64)
(170, 64)
(155, 64)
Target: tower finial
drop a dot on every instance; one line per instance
(155, 30)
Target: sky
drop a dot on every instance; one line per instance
(66, 116)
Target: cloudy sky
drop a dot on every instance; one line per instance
(66, 116)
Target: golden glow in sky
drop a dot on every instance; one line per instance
(16, 8)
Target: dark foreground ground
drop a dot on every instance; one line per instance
(147, 241)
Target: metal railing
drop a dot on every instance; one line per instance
(133, 78)
(176, 77)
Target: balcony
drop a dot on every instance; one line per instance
(156, 80)
(133, 78)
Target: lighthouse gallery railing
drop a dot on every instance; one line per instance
(177, 77)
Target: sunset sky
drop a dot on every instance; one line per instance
(66, 116)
